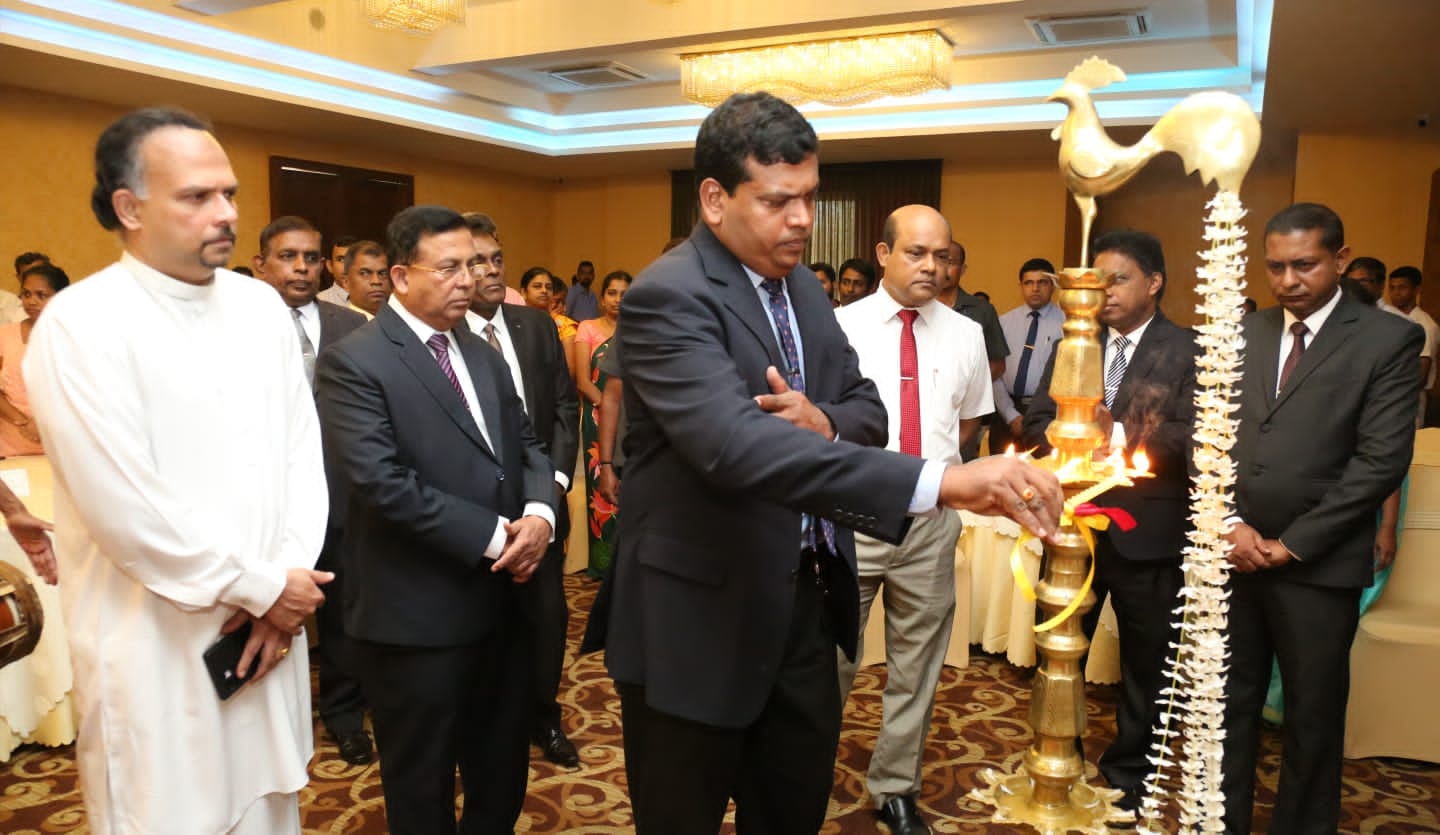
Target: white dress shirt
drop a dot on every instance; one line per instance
(310, 320)
(1315, 321)
(1117, 431)
(477, 325)
(467, 385)
(954, 374)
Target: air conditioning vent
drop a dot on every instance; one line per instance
(597, 75)
(1115, 26)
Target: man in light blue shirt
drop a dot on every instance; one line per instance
(1034, 328)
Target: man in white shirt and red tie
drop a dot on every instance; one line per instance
(928, 363)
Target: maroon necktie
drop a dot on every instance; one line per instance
(1297, 350)
(909, 386)
(441, 347)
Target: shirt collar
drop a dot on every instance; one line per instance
(1315, 321)
(158, 282)
(309, 312)
(498, 320)
(1136, 335)
(889, 308)
(422, 330)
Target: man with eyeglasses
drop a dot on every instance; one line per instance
(290, 261)
(449, 509)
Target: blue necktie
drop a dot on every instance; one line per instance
(780, 312)
(1023, 371)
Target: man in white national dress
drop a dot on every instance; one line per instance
(189, 500)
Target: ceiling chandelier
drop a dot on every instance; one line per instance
(418, 17)
(839, 72)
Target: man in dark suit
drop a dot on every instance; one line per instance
(735, 580)
(290, 261)
(527, 340)
(1149, 405)
(1327, 428)
(450, 506)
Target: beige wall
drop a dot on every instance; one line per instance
(1004, 215)
(52, 151)
(619, 223)
(1380, 186)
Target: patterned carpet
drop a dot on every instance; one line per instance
(980, 722)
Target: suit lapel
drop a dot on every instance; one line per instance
(523, 353)
(1336, 330)
(738, 291)
(1262, 353)
(421, 362)
(1147, 353)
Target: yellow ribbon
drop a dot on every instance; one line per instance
(1086, 525)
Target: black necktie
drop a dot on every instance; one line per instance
(1297, 350)
(1023, 371)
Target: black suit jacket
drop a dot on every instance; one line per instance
(336, 323)
(550, 397)
(1156, 404)
(714, 488)
(425, 490)
(1314, 463)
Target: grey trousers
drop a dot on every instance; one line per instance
(917, 579)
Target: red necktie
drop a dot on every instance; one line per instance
(909, 386)
(1297, 350)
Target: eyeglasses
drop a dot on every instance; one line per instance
(476, 270)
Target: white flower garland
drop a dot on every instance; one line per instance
(1194, 699)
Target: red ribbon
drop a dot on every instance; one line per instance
(1120, 517)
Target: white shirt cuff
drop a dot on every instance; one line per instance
(927, 489)
(562, 480)
(497, 540)
(257, 588)
(544, 511)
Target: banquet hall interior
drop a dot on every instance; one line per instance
(567, 122)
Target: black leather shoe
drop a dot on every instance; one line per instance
(557, 748)
(901, 816)
(355, 748)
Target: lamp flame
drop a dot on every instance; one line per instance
(1141, 461)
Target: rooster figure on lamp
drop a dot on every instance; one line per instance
(1215, 133)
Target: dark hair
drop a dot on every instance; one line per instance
(1374, 266)
(960, 247)
(118, 163)
(359, 248)
(531, 274)
(613, 276)
(981, 294)
(1410, 274)
(481, 224)
(244, 270)
(1250, 305)
(1359, 291)
(821, 267)
(344, 242)
(1036, 264)
(406, 229)
(561, 285)
(1141, 247)
(52, 274)
(861, 266)
(1302, 217)
(281, 225)
(584, 264)
(25, 259)
(755, 126)
(672, 243)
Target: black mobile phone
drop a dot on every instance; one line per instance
(222, 659)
